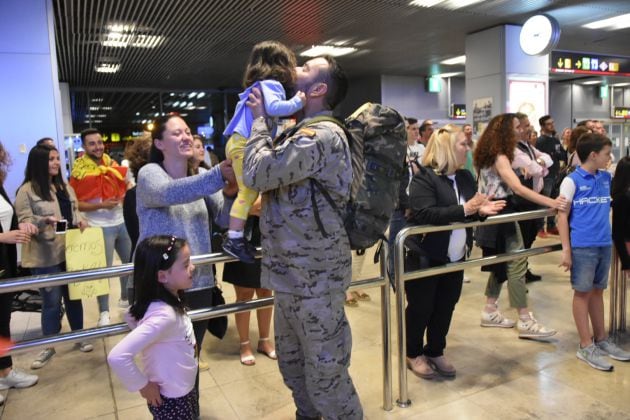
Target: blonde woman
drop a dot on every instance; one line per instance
(440, 193)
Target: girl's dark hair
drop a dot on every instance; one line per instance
(621, 180)
(37, 174)
(152, 255)
(5, 162)
(499, 138)
(271, 60)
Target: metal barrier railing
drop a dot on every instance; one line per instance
(401, 276)
(618, 295)
(58, 279)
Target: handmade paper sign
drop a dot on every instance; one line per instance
(84, 251)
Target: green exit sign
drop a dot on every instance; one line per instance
(434, 84)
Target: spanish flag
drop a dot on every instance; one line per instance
(91, 181)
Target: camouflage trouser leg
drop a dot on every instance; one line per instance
(313, 342)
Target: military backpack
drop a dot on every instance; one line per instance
(377, 138)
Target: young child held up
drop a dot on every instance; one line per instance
(271, 69)
(586, 248)
(161, 331)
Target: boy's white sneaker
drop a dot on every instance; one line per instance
(610, 349)
(594, 357)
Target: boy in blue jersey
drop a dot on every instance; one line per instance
(586, 248)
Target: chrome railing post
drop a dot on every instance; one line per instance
(403, 400)
(614, 285)
(386, 321)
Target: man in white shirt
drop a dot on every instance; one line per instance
(531, 166)
(100, 184)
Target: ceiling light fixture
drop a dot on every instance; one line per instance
(621, 84)
(107, 67)
(201, 95)
(319, 50)
(611, 24)
(592, 82)
(460, 59)
(444, 4)
(447, 75)
(192, 94)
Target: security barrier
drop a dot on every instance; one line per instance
(58, 279)
(401, 276)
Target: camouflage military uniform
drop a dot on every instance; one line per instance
(309, 271)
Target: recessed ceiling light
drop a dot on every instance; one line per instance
(621, 84)
(318, 50)
(192, 94)
(107, 67)
(445, 4)
(97, 99)
(447, 75)
(614, 23)
(201, 95)
(425, 3)
(147, 41)
(176, 103)
(592, 82)
(461, 59)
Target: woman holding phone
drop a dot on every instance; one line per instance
(46, 201)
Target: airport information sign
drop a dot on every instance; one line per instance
(621, 112)
(592, 64)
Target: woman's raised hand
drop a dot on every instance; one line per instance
(490, 208)
(561, 203)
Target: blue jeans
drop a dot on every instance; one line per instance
(51, 304)
(590, 268)
(116, 237)
(396, 224)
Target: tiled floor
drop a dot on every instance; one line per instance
(498, 375)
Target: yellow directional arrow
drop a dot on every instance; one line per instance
(560, 62)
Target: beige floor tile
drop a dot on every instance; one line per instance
(498, 375)
(257, 395)
(540, 396)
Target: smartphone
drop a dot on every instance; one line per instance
(61, 226)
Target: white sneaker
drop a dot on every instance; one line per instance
(532, 329)
(18, 379)
(103, 319)
(85, 346)
(123, 303)
(42, 358)
(495, 319)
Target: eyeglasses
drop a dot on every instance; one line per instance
(166, 254)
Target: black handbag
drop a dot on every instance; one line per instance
(218, 326)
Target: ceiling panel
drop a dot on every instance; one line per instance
(204, 44)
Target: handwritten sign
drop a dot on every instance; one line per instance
(84, 251)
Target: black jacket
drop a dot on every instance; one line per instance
(432, 201)
(8, 252)
(621, 226)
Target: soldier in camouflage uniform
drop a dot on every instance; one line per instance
(308, 270)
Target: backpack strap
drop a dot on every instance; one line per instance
(316, 184)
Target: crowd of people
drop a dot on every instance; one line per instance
(169, 203)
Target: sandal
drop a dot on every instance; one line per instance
(352, 302)
(248, 360)
(362, 296)
(270, 354)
